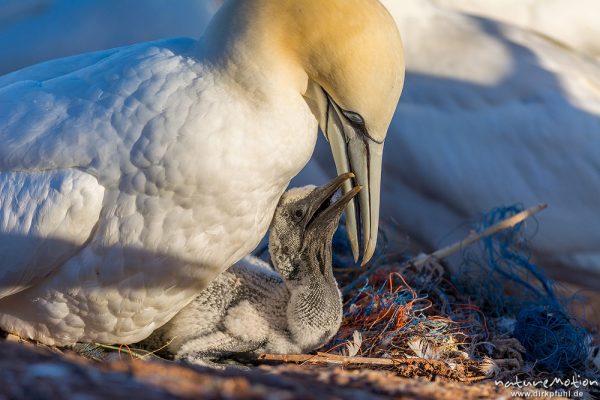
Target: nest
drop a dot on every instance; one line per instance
(496, 316)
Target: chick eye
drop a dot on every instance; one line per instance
(355, 118)
(298, 214)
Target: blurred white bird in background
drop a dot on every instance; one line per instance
(131, 177)
(575, 23)
(32, 31)
(491, 115)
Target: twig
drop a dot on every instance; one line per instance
(475, 237)
(474, 379)
(327, 358)
(449, 250)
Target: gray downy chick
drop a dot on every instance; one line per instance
(251, 309)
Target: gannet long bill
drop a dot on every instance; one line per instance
(130, 178)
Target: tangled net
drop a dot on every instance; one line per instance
(428, 311)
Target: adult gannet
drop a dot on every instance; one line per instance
(253, 309)
(132, 177)
(492, 115)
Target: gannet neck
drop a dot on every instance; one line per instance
(243, 42)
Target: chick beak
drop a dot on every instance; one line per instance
(324, 212)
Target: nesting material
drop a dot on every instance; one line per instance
(498, 314)
(552, 340)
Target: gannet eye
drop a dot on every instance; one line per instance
(353, 117)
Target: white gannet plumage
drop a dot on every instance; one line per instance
(491, 115)
(165, 160)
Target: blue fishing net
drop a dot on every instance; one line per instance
(510, 284)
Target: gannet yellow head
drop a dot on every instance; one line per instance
(346, 58)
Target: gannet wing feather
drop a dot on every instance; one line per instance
(58, 68)
(45, 218)
(67, 130)
(75, 112)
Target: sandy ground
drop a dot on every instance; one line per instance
(32, 372)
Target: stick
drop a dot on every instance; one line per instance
(337, 359)
(449, 250)
(326, 358)
(475, 237)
